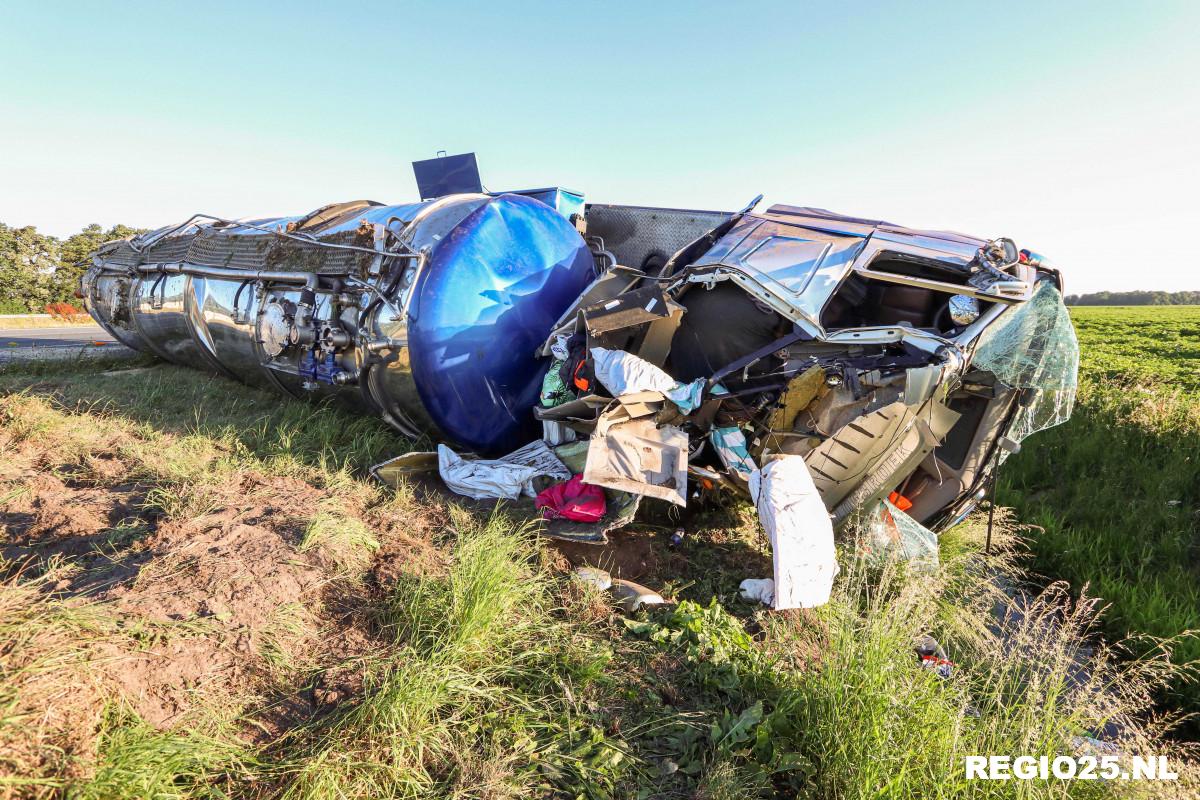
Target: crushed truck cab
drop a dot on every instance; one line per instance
(897, 363)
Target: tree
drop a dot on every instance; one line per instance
(76, 252)
(28, 262)
(1139, 297)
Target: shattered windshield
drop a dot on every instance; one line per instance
(1034, 349)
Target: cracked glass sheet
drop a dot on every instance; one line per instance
(1034, 349)
(890, 533)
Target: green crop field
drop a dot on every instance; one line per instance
(1116, 491)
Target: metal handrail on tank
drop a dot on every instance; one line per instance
(138, 245)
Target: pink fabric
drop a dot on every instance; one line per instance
(573, 500)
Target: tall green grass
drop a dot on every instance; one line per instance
(1115, 492)
(496, 677)
(861, 719)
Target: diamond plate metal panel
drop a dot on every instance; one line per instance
(635, 233)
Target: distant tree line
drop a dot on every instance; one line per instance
(1138, 298)
(37, 270)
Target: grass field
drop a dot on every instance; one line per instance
(204, 596)
(1116, 491)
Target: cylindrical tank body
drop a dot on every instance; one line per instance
(428, 314)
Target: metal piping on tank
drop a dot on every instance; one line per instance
(309, 280)
(390, 309)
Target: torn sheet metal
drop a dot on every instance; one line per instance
(395, 470)
(638, 457)
(629, 309)
(794, 517)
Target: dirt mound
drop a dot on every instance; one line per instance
(211, 610)
(226, 585)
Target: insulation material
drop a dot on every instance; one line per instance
(801, 534)
(1034, 348)
(623, 373)
(799, 395)
(890, 533)
(637, 457)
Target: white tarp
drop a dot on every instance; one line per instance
(624, 373)
(505, 478)
(793, 515)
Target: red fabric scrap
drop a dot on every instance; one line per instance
(573, 500)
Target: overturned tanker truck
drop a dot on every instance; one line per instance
(657, 352)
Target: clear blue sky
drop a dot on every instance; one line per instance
(1072, 127)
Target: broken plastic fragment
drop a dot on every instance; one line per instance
(631, 596)
(760, 589)
(593, 576)
(730, 444)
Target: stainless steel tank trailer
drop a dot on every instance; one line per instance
(901, 365)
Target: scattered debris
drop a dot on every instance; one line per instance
(632, 596)
(629, 596)
(866, 367)
(597, 578)
(761, 590)
(572, 500)
(932, 657)
(890, 533)
(508, 477)
(800, 532)
(624, 374)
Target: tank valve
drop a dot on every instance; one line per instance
(334, 338)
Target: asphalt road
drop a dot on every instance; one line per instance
(65, 336)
